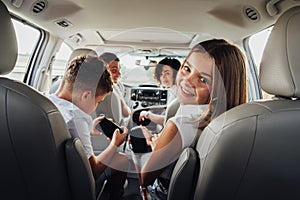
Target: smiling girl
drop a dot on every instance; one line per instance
(211, 80)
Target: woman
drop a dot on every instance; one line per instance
(165, 75)
(166, 71)
(211, 80)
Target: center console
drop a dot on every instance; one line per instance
(146, 96)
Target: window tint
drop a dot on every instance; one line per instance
(27, 38)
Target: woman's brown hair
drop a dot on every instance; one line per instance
(172, 62)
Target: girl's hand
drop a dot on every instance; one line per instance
(118, 137)
(151, 139)
(96, 121)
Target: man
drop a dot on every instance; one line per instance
(113, 66)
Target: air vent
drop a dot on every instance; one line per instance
(63, 23)
(77, 38)
(38, 7)
(251, 13)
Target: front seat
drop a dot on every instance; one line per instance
(75, 53)
(39, 159)
(111, 108)
(252, 151)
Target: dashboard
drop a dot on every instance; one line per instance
(145, 97)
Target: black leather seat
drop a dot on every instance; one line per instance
(39, 159)
(252, 151)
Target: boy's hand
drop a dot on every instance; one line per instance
(118, 138)
(96, 121)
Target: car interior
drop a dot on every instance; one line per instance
(248, 152)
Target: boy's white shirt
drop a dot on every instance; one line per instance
(79, 123)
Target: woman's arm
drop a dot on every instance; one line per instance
(158, 119)
(166, 150)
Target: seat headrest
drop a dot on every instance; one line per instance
(8, 41)
(80, 51)
(280, 66)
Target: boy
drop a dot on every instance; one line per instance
(84, 85)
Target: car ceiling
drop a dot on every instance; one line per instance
(142, 24)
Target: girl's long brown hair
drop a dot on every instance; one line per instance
(228, 78)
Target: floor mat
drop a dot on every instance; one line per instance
(132, 191)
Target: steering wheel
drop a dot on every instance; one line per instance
(135, 119)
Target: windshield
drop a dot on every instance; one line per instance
(133, 74)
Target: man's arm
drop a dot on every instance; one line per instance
(125, 109)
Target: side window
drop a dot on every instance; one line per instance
(27, 38)
(59, 65)
(257, 43)
(60, 61)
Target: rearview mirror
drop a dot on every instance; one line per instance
(146, 63)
